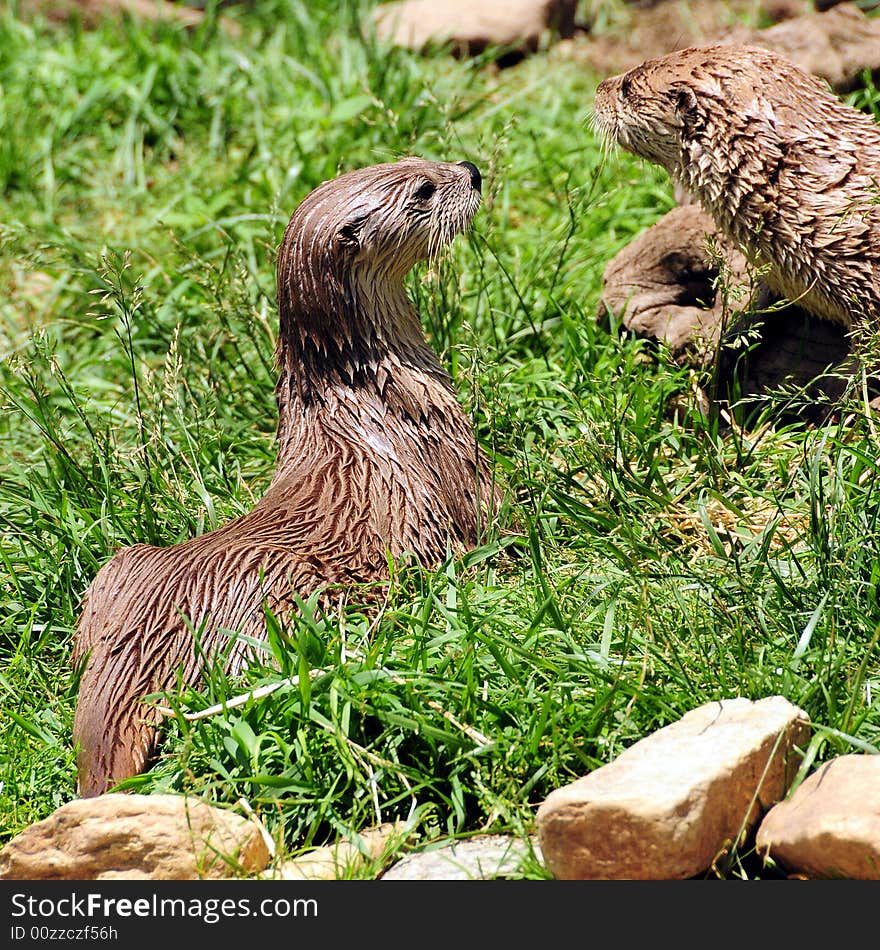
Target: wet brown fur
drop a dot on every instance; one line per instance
(787, 170)
(376, 459)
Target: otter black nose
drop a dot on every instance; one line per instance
(474, 172)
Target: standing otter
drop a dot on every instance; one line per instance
(376, 459)
(786, 170)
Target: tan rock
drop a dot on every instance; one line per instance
(680, 282)
(673, 802)
(640, 31)
(91, 12)
(343, 859)
(118, 836)
(837, 45)
(485, 857)
(662, 285)
(472, 26)
(830, 827)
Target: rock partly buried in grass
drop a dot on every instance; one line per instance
(668, 284)
(683, 284)
(469, 28)
(838, 45)
(641, 30)
(136, 837)
(91, 12)
(485, 857)
(670, 805)
(830, 827)
(342, 860)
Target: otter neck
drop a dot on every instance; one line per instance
(349, 344)
(726, 183)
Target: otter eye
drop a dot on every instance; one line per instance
(626, 86)
(425, 190)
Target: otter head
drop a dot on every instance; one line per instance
(375, 224)
(653, 109)
(345, 253)
(694, 110)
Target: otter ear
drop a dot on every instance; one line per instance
(686, 107)
(348, 236)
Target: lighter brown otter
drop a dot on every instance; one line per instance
(787, 171)
(376, 460)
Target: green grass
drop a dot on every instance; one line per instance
(661, 561)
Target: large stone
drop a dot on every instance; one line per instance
(470, 27)
(665, 284)
(627, 36)
(91, 12)
(342, 860)
(682, 283)
(837, 45)
(669, 805)
(153, 837)
(485, 857)
(830, 827)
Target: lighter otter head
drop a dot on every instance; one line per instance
(656, 109)
(692, 108)
(643, 115)
(345, 253)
